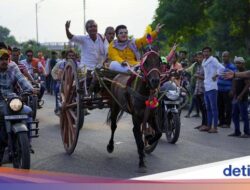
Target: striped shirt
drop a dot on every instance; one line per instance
(10, 77)
(22, 67)
(199, 85)
(30, 67)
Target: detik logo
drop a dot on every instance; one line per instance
(235, 171)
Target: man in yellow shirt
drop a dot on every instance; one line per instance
(123, 52)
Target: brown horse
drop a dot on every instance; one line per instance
(132, 100)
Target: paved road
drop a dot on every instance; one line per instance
(91, 157)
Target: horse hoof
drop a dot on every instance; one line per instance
(110, 148)
(142, 169)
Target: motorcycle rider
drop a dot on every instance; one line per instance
(10, 75)
(34, 67)
(15, 57)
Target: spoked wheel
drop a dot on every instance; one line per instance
(71, 117)
(173, 127)
(21, 157)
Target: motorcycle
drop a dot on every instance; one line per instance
(172, 99)
(169, 110)
(15, 132)
(32, 102)
(38, 85)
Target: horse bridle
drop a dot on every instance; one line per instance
(144, 58)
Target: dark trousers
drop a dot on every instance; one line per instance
(42, 90)
(224, 108)
(193, 105)
(202, 107)
(50, 82)
(48, 79)
(240, 108)
(57, 91)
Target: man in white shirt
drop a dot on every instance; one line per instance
(212, 68)
(93, 46)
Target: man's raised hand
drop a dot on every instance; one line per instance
(158, 27)
(67, 25)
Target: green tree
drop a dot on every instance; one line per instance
(231, 26)
(6, 37)
(34, 46)
(222, 24)
(184, 21)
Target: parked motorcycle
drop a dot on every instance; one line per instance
(16, 131)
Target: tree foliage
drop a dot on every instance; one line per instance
(222, 24)
(34, 46)
(6, 37)
(30, 44)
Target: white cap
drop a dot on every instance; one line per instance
(239, 59)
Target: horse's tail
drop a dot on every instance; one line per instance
(109, 116)
(119, 115)
(108, 120)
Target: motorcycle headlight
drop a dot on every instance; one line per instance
(172, 95)
(15, 104)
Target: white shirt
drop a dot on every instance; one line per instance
(211, 67)
(54, 71)
(30, 67)
(93, 53)
(47, 66)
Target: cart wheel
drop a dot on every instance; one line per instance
(71, 117)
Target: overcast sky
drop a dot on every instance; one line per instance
(19, 16)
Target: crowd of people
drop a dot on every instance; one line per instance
(218, 94)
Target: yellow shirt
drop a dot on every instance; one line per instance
(127, 55)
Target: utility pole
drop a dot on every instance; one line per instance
(37, 38)
(84, 16)
(36, 25)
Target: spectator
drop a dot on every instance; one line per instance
(240, 96)
(212, 68)
(225, 94)
(199, 90)
(192, 71)
(183, 58)
(49, 66)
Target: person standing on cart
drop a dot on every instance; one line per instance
(93, 47)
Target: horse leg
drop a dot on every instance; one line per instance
(155, 124)
(113, 117)
(139, 141)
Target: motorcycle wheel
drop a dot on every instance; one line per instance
(21, 157)
(173, 127)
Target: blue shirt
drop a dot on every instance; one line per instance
(223, 84)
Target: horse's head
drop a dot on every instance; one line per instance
(150, 66)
